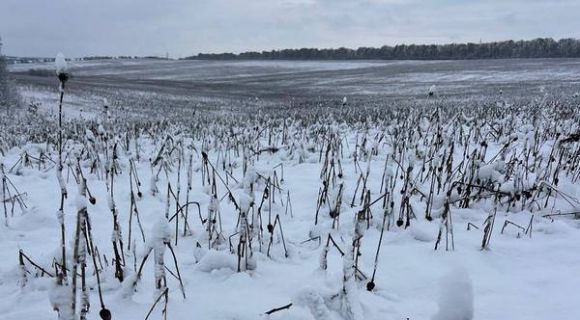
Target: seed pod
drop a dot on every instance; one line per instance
(333, 214)
(105, 314)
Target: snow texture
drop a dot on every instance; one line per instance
(60, 63)
(455, 297)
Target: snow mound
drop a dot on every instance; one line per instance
(423, 230)
(214, 260)
(455, 297)
(314, 302)
(60, 63)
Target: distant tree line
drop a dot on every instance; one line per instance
(537, 48)
(23, 60)
(89, 58)
(7, 96)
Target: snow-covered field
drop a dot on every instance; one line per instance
(203, 69)
(429, 209)
(285, 79)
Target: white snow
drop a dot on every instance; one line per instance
(516, 278)
(60, 63)
(215, 260)
(455, 296)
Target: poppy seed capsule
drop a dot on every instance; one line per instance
(63, 77)
(92, 200)
(105, 314)
(270, 228)
(370, 286)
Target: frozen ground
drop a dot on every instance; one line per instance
(523, 274)
(285, 80)
(516, 279)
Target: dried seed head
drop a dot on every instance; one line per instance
(105, 314)
(333, 214)
(63, 77)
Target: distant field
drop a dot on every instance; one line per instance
(281, 80)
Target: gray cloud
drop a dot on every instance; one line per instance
(185, 27)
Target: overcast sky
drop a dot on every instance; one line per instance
(186, 27)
